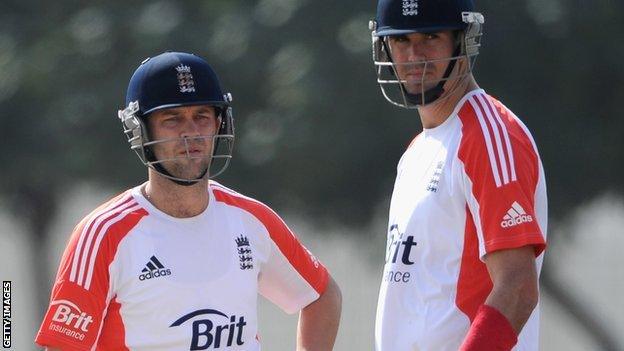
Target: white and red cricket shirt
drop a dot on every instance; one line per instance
(472, 185)
(135, 278)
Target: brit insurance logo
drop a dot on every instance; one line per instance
(68, 319)
(515, 215)
(398, 256)
(244, 252)
(213, 329)
(154, 269)
(410, 7)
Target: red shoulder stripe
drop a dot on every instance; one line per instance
(116, 213)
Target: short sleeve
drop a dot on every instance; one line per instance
(501, 172)
(292, 277)
(82, 289)
(75, 313)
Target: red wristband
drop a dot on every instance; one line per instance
(490, 330)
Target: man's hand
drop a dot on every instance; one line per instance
(318, 322)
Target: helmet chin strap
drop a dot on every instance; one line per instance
(434, 93)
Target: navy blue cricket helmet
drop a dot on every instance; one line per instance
(396, 17)
(169, 80)
(174, 79)
(401, 17)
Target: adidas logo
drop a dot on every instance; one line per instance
(515, 215)
(154, 269)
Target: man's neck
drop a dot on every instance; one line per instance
(434, 114)
(174, 199)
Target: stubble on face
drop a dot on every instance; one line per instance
(417, 77)
(185, 159)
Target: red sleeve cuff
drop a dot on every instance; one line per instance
(536, 240)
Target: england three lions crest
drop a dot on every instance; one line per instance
(410, 7)
(185, 79)
(244, 252)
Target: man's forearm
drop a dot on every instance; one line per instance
(515, 304)
(318, 322)
(515, 293)
(498, 322)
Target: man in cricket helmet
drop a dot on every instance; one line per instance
(181, 241)
(410, 79)
(159, 86)
(468, 216)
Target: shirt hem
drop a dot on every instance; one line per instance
(303, 302)
(49, 340)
